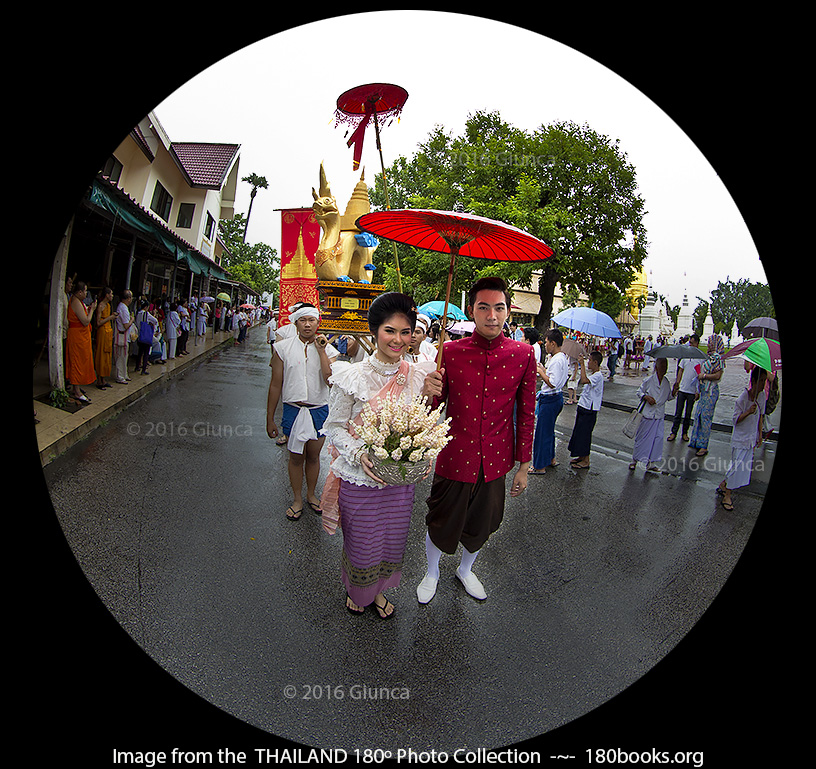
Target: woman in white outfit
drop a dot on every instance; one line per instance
(655, 390)
(747, 433)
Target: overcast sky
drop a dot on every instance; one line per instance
(277, 98)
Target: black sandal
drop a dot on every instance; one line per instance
(380, 609)
(295, 514)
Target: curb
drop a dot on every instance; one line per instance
(54, 449)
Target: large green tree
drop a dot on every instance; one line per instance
(742, 301)
(564, 183)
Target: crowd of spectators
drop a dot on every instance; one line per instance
(104, 334)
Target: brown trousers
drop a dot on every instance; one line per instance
(464, 512)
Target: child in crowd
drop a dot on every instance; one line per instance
(589, 403)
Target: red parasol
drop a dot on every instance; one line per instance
(455, 233)
(359, 105)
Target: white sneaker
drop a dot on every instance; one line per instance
(472, 585)
(427, 588)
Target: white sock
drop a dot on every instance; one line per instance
(467, 561)
(433, 554)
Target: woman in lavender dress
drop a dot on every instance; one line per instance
(373, 517)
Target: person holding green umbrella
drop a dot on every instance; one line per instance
(765, 353)
(220, 321)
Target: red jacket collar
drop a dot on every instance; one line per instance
(488, 344)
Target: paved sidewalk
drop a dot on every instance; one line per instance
(58, 429)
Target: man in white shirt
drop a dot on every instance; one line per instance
(686, 388)
(271, 328)
(120, 337)
(628, 351)
(301, 367)
(550, 401)
(647, 359)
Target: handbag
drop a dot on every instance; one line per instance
(145, 330)
(632, 424)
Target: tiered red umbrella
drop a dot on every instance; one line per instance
(455, 233)
(358, 107)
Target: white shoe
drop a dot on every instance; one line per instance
(427, 588)
(472, 585)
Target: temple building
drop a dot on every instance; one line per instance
(650, 318)
(685, 320)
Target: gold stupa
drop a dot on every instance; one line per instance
(358, 204)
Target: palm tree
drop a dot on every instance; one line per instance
(257, 182)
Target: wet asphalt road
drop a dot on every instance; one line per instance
(175, 512)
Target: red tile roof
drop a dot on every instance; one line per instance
(205, 165)
(139, 138)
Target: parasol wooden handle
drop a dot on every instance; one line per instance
(439, 352)
(454, 252)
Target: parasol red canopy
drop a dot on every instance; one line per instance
(451, 232)
(454, 233)
(360, 104)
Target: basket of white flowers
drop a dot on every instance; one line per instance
(403, 438)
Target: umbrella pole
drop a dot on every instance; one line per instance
(387, 198)
(454, 252)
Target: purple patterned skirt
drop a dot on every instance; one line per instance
(375, 526)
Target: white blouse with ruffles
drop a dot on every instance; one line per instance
(352, 385)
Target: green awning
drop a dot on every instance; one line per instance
(140, 221)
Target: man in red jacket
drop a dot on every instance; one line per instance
(483, 378)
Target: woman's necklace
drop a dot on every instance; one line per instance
(381, 367)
